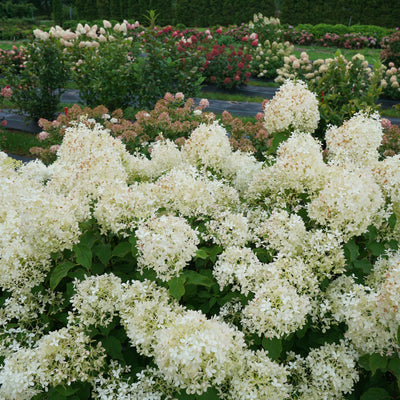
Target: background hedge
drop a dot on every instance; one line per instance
(365, 12)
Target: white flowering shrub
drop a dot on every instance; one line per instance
(269, 57)
(202, 273)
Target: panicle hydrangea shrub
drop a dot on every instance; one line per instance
(200, 271)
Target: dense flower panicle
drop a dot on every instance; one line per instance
(259, 378)
(240, 268)
(228, 229)
(276, 310)
(121, 208)
(327, 373)
(33, 223)
(349, 202)
(95, 299)
(145, 308)
(356, 141)
(208, 146)
(166, 244)
(386, 275)
(299, 163)
(88, 159)
(63, 356)
(357, 306)
(195, 353)
(293, 107)
(387, 174)
(188, 193)
(240, 168)
(283, 232)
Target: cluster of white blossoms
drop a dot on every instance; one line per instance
(277, 234)
(228, 229)
(326, 373)
(95, 299)
(60, 357)
(349, 202)
(293, 107)
(370, 312)
(356, 141)
(166, 244)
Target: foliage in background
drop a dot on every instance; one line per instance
(345, 12)
(346, 88)
(38, 86)
(391, 49)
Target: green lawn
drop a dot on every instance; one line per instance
(316, 52)
(8, 44)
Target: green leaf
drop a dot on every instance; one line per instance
(364, 362)
(211, 394)
(364, 265)
(398, 335)
(273, 346)
(103, 252)
(351, 250)
(394, 367)
(201, 254)
(376, 361)
(60, 272)
(392, 221)
(83, 255)
(66, 390)
(376, 248)
(177, 287)
(113, 347)
(193, 277)
(122, 249)
(375, 393)
(87, 239)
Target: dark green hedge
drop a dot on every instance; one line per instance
(201, 13)
(346, 12)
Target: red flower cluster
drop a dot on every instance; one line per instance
(226, 66)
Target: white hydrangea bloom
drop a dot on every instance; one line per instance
(95, 299)
(241, 268)
(259, 378)
(349, 202)
(195, 353)
(299, 164)
(166, 244)
(208, 146)
(276, 310)
(356, 141)
(188, 193)
(357, 306)
(293, 107)
(121, 207)
(387, 173)
(281, 231)
(33, 223)
(88, 159)
(327, 373)
(239, 168)
(165, 155)
(228, 229)
(63, 356)
(144, 308)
